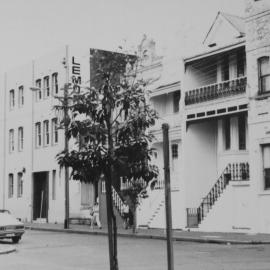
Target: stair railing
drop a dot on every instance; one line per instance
(118, 202)
(233, 172)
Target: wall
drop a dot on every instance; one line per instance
(231, 212)
(200, 160)
(31, 158)
(258, 45)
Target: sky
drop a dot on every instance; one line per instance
(32, 28)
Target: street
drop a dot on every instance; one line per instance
(48, 250)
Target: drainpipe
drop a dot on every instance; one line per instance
(32, 142)
(4, 141)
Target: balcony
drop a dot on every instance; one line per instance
(173, 120)
(216, 91)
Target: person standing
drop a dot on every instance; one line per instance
(96, 214)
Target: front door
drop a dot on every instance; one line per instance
(40, 195)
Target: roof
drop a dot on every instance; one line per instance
(236, 21)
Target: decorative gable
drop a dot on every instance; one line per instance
(226, 29)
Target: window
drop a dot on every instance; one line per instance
(11, 99)
(46, 134)
(55, 83)
(20, 138)
(11, 140)
(54, 131)
(38, 134)
(225, 75)
(174, 151)
(53, 184)
(176, 99)
(10, 185)
(241, 61)
(242, 132)
(85, 194)
(266, 166)
(227, 133)
(264, 74)
(21, 96)
(46, 85)
(38, 91)
(20, 185)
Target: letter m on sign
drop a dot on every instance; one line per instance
(76, 80)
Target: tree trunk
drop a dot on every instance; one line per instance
(134, 226)
(112, 233)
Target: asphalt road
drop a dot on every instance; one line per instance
(61, 251)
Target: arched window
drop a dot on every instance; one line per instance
(264, 74)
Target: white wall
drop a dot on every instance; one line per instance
(200, 160)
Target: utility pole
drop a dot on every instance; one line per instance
(66, 87)
(165, 129)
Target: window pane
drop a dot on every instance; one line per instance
(53, 184)
(265, 83)
(242, 132)
(176, 99)
(266, 156)
(264, 66)
(267, 178)
(227, 133)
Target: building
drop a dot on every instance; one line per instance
(163, 93)
(225, 124)
(33, 186)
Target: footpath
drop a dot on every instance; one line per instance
(160, 234)
(6, 248)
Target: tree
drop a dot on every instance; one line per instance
(110, 120)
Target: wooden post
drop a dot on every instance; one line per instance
(66, 221)
(165, 128)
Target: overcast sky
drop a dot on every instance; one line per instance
(32, 28)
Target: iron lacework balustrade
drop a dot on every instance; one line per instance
(233, 172)
(215, 91)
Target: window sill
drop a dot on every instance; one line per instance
(265, 95)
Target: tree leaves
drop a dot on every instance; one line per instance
(116, 105)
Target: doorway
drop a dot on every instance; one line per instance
(40, 195)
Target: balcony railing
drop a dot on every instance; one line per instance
(215, 91)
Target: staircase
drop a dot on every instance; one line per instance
(233, 172)
(118, 206)
(156, 212)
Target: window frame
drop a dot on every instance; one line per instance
(20, 139)
(10, 185)
(11, 99)
(176, 101)
(46, 87)
(38, 136)
(46, 133)
(261, 77)
(19, 184)
(55, 133)
(39, 91)
(11, 137)
(21, 96)
(227, 140)
(266, 179)
(55, 86)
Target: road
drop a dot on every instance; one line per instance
(61, 251)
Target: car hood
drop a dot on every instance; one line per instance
(7, 219)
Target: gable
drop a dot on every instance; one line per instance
(226, 29)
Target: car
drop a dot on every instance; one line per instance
(10, 227)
